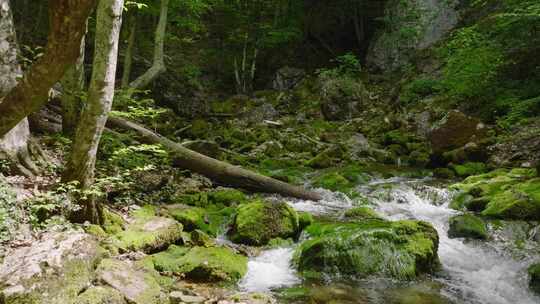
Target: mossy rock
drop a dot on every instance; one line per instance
(258, 222)
(467, 226)
(211, 221)
(419, 159)
(227, 197)
(135, 282)
(361, 213)
(213, 264)
(401, 249)
(444, 173)
(195, 199)
(304, 220)
(534, 277)
(505, 194)
(148, 233)
(340, 179)
(326, 158)
(468, 169)
(101, 295)
(396, 137)
(460, 201)
(113, 222)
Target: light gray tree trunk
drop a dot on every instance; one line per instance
(128, 58)
(14, 145)
(82, 160)
(73, 86)
(158, 65)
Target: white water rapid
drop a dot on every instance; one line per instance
(475, 272)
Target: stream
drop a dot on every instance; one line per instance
(476, 272)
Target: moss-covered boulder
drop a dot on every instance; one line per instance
(361, 213)
(456, 130)
(59, 265)
(304, 220)
(506, 194)
(401, 249)
(136, 283)
(227, 197)
(467, 226)
(258, 222)
(211, 220)
(341, 179)
(101, 295)
(534, 277)
(201, 264)
(468, 169)
(148, 233)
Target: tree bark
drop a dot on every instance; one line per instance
(73, 86)
(82, 160)
(14, 144)
(67, 21)
(158, 65)
(128, 57)
(219, 171)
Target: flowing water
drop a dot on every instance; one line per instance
(476, 272)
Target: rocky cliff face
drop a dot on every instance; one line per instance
(411, 26)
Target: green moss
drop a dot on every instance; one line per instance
(227, 197)
(113, 222)
(148, 233)
(304, 220)
(468, 169)
(361, 213)
(96, 231)
(502, 193)
(400, 249)
(197, 199)
(444, 173)
(468, 226)
(211, 221)
(214, 264)
(258, 222)
(100, 295)
(460, 201)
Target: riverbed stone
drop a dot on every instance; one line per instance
(148, 233)
(53, 269)
(401, 249)
(134, 282)
(202, 264)
(260, 221)
(467, 226)
(101, 295)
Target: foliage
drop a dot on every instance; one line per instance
(9, 212)
(472, 63)
(347, 65)
(143, 110)
(419, 88)
(139, 157)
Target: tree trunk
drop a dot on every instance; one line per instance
(14, 144)
(73, 86)
(67, 27)
(128, 57)
(82, 160)
(158, 65)
(219, 171)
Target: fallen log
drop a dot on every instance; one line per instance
(214, 169)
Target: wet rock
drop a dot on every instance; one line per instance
(53, 269)
(135, 283)
(467, 226)
(361, 213)
(468, 169)
(101, 295)
(148, 233)
(177, 297)
(249, 298)
(304, 220)
(401, 249)
(258, 222)
(201, 264)
(455, 131)
(507, 194)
